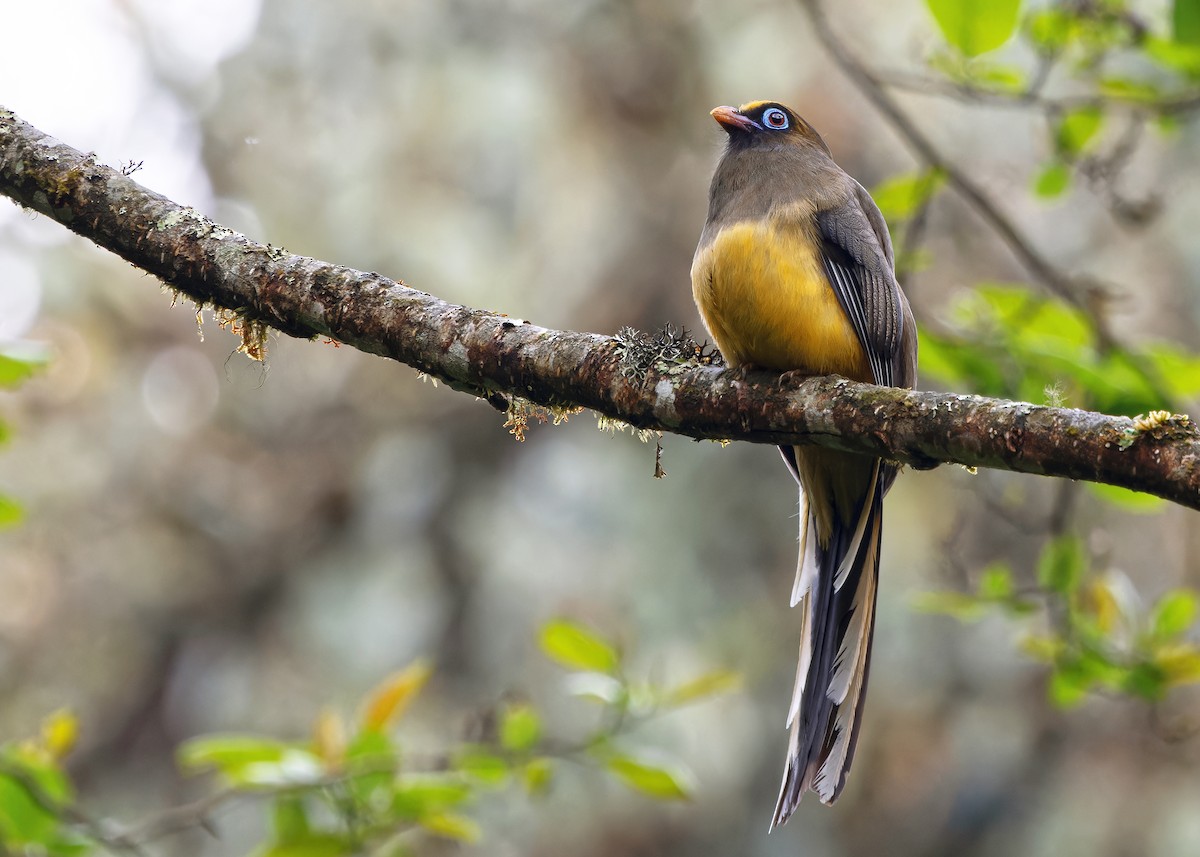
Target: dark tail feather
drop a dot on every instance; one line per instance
(835, 588)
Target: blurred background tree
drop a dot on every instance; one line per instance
(210, 545)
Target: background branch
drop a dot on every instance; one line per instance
(1086, 295)
(651, 384)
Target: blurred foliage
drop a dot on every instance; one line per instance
(902, 196)
(1158, 61)
(351, 787)
(15, 369)
(1099, 637)
(36, 795)
(1007, 341)
(975, 28)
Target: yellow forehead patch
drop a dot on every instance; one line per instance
(753, 105)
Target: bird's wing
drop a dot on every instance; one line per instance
(856, 253)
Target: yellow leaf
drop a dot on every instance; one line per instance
(452, 826)
(578, 648)
(1180, 663)
(1108, 609)
(537, 774)
(60, 731)
(662, 781)
(1041, 648)
(390, 699)
(329, 738)
(709, 684)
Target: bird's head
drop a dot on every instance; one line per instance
(766, 124)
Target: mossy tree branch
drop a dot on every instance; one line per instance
(650, 384)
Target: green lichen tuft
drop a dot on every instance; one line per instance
(666, 350)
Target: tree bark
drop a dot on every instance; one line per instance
(655, 383)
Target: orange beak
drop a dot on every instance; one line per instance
(731, 120)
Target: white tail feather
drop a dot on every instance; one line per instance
(806, 566)
(807, 605)
(849, 657)
(847, 564)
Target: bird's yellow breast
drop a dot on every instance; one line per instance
(764, 297)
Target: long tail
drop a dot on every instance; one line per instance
(836, 582)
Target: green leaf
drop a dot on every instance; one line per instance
(14, 371)
(661, 781)
(251, 761)
(900, 196)
(1062, 564)
(1069, 686)
(1013, 344)
(1076, 129)
(913, 260)
(999, 77)
(1185, 22)
(702, 687)
(225, 752)
(578, 648)
(996, 582)
(11, 513)
(371, 746)
(520, 727)
(975, 27)
(1178, 368)
(1176, 56)
(1173, 614)
(1051, 29)
(481, 764)
(960, 605)
(1068, 689)
(1135, 502)
(1166, 124)
(312, 845)
(22, 818)
(418, 796)
(1128, 89)
(536, 775)
(289, 819)
(1144, 680)
(1053, 180)
(958, 363)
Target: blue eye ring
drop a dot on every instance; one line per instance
(775, 119)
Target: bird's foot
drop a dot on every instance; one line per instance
(794, 376)
(742, 372)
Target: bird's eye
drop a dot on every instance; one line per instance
(775, 118)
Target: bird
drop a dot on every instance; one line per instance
(795, 273)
